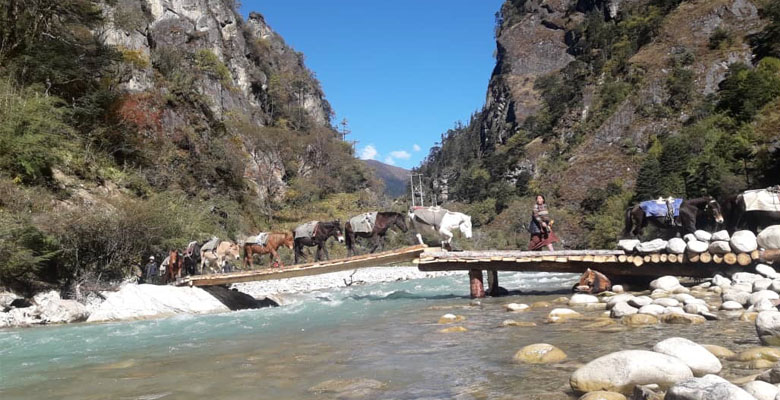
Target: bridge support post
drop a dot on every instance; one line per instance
(492, 282)
(476, 285)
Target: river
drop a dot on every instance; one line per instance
(383, 336)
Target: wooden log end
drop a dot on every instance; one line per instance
(744, 259)
(730, 258)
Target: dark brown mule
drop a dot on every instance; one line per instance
(175, 266)
(693, 212)
(593, 282)
(384, 221)
(272, 243)
(737, 216)
(322, 232)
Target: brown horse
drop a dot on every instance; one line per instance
(175, 266)
(693, 213)
(593, 282)
(322, 231)
(384, 221)
(273, 242)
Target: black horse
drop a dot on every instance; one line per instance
(384, 221)
(322, 232)
(693, 213)
(192, 258)
(737, 216)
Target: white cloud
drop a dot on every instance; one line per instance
(401, 154)
(416, 147)
(389, 160)
(368, 153)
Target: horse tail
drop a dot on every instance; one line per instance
(628, 222)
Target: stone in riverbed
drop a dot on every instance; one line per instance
(539, 353)
(720, 351)
(348, 388)
(748, 316)
(666, 302)
(761, 390)
(746, 277)
(682, 319)
(639, 320)
(618, 289)
(620, 298)
(514, 307)
(640, 301)
(144, 301)
(762, 284)
(759, 353)
(652, 309)
(622, 370)
(760, 364)
(768, 327)
(744, 241)
(667, 283)
(709, 387)
(769, 238)
(764, 305)
(580, 299)
(602, 395)
(697, 358)
(451, 318)
(763, 294)
(771, 376)
(699, 309)
(541, 304)
(719, 280)
(766, 271)
(621, 310)
(511, 322)
(735, 296)
(453, 329)
(54, 310)
(558, 315)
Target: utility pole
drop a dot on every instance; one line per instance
(417, 189)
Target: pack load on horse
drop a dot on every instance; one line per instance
(753, 209)
(592, 282)
(373, 226)
(316, 233)
(440, 220)
(216, 257)
(682, 219)
(191, 258)
(266, 243)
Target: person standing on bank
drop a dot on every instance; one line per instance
(151, 271)
(541, 227)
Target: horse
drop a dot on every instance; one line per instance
(273, 242)
(592, 282)
(192, 258)
(322, 231)
(448, 222)
(384, 221)
(737, 216)
(226, 250)
(175, 266)
(692, 211)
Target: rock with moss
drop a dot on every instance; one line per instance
(539, 353)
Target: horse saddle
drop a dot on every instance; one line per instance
(762, 200)
(261, 239)
(653, 208)
(429, 215)
(363, 223)
(211, 245)
(306, 230)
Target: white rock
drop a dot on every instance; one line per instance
(775, 287)
(764, 305)
(746, 287)
(681, 289)
(761, 390)
(514, 307)
(719, 247)
(700, 309)
(719, 280)
(562, 314)
(676, 246)
(762, 284)
(54, 310)
(738, 296)
(696, 357)
(744, 241)
(763, 294)
(667, 283)
(703, 236)
(580, 299)
(690, 236)
(6, 298)
(619, 298)
(627, 245)
(640, 301)
(695, 301)
(769, 238)
(674, 310)
(622, 370)
(766, 271)
(710, 387)
(731, 306)
(618, 289)
(721, 235)
(20, 317)
(146, 301)
(683, 297)
(653, 246)
(747, 277)
(652, 309)
(621, 310)
(768, 327)
(666, 302)
(697, 246)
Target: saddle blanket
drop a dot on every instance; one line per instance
(762, 199)
(306, 230)
(363, 223)
(261, 239)
(211, 245)
(429, 215)
(653, 208)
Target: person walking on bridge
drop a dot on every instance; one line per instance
(541, 227)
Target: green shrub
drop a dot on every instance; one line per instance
(209, 63)
(721, 39)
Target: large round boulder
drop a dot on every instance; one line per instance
(744, 241)
(697, 246)
(763, 295)
(762, 284)
(768, 327)
(676, 246)
(769, 238)
(581, 299)
(696, 357)
(702, 235)
(622, 309)
(667, 283)
(652, 309)
(719, 247)
(731, 305)
(562, 315)
(721, 235)
(666, 302)
(539, 353)
(709, 387)
(619, 298)
(761, 390)
(602, 395)
(640, 301)
(621, 371)
(766, 271)
(720, 280)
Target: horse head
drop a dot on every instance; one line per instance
(234, 250)
(289, 240)
(336, 231)
(465, 225)
(400, 222)
(713, 208)
(587, 278)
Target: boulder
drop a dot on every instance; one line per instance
(640, 301)
(580, 299)
(541, 304)
(676, 246)
(695, 301)
(768, 327)
(147, 301)
(511, 322)
(666, 302)
(514, 307)
(683, 297)
(652, 309)
(744, 241)
(761, 390)
(699, 309)
(719, 247)
(775, 286)
(763, 295)
(682, 318)
(709, 387)
(618, 289)
(451, 318)
(54, 310)
(622, 370)
(697, 246)
(6, 298)
(620, 298)
(627, 245)
(740, 298)
(759, 353)
(769, 238)
(697, 358)
(562, 315)
(745, 277)
(667, 283)
(602, 395)
(764, 305)
(653, 246)
(659, 293)
(703, 236)
(719, 280)
(721, 235)
(539, 353)
(639, 320)
(689, 237)
(720, 351)
(622, 309)
(762, 284)
(766, 271)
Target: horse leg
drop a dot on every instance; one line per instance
(375, 243)
(446, 244)
(324, 249)
(274, 256)
(419, 238)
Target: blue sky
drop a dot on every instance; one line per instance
(401, 72)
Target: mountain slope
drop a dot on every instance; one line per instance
(396, 179)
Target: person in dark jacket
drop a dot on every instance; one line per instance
(541, 227)
(151, 271)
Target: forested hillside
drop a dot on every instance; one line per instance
(596, 104)
(131, 127)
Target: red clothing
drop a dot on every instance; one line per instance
(541, 240)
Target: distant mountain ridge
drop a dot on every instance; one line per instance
(395, 178)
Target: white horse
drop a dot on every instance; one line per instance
(226, 250)
(449, 222)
